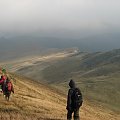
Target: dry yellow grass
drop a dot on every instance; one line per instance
(34, 101)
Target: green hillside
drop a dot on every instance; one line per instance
(96, 73)
(35, 101)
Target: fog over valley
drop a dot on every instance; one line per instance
(30, 27)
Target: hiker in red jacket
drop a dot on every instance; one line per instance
(2, 81)
(3, 78)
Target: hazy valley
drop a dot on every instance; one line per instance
(94, 73)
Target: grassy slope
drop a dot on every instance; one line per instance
(97, 74)
(35, 101)
(94, 64)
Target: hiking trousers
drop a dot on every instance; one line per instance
(75, 116)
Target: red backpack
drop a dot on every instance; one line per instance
(9, 86)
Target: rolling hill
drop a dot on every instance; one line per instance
(97, 74)
(83, 64)
(94, 72)
(35, 101)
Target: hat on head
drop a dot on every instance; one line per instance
(72, 83)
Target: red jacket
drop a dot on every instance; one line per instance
(3, 78)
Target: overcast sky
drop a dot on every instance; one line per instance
(66, 18)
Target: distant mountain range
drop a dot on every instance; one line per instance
(20, 46)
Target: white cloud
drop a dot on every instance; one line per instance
(49, 15)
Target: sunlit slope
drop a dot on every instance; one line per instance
(35, 101)
(97, 74)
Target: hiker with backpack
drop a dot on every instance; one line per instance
(2, 81)
(8, 88)
(74, 101)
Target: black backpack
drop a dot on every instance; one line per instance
(77, 98)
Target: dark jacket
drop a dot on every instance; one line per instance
(70, 93)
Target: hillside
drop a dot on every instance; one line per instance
(94, 72)
(31, 66)
(32, 101)
(35, 101)
(85, 64)
(97, 74)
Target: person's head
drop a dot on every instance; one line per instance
(3, 77)
(8, 80)
(72, 84)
